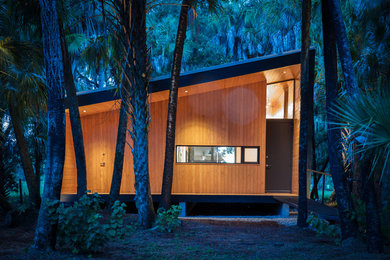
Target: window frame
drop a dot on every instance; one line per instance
(216, 147)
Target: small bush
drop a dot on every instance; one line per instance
(322, 227)
(81, 227)
(168, 220)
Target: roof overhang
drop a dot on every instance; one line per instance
(208, 75)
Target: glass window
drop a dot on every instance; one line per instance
(280, 100)
(216, 154)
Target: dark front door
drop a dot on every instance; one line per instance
(279, 155)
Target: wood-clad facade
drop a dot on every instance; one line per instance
(216, 107)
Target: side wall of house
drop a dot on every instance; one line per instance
(232, 114)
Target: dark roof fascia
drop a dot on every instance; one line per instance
(204, 75)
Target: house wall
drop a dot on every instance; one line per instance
(231, 114)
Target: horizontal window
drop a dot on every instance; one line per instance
(217, 154)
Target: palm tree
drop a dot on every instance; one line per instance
(306, 113)
(130, 19)
(45, 231)
(165, 202)
(366, 117)
(166, 192)
(75, 122)
(336, 18)
(20, 69)
(348, 229)
(139, 111)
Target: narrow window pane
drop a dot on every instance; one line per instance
(182, 154)
(238, 154)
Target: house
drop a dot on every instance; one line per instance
(237, 133)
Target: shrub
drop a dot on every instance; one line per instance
(81, 226)
(168, 220)
(322, 227)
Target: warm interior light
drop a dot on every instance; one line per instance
(186, 91)
(284, 72)
(84, 111)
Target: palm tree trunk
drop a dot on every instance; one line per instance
(119, 156)
(336, 18)
(75, 122)
(165, 202)
(32, 184)
(45, 231)
(139, 112)
(348, 229)
(306, 103)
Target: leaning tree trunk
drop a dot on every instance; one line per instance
(305, 113)
(348, 229)
(165, 202)
(75, 122)
(32, 184)
(119, 153)
(336, 19)
(45, 231)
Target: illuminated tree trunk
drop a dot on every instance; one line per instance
(75, 122)
(166, 193)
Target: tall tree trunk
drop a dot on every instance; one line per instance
(348, 229)
(373, 219)
(119, 155)
(139, 109)
(336, 18)
(166, 193)
(75, 122)
(45, 231)
(32, 184)
(306, 103)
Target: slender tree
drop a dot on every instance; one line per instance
(75, 122)
(343, 195)
(336, 18)
(131, 17)
(166, 192)
(25, 158)
(55, 146)
(306, 105)
(119, 151)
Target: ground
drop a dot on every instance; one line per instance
(204, 239)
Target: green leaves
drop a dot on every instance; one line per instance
(322, 227)
(168, 220)
(81, 226)
(366, 120)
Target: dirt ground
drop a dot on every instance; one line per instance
(201, 239)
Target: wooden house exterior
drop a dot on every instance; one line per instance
(237, 132)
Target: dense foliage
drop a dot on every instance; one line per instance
(82, 228)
